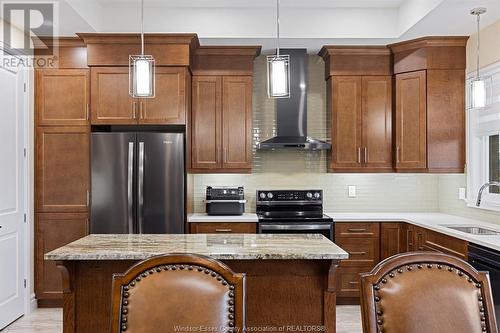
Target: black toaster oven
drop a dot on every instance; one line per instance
(225, 200)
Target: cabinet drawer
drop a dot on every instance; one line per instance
(362, 251)
(348, 280)
(357, 229)
(221, 228)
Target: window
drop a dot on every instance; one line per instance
(483, 143)
(494, 162)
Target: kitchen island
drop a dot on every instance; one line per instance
(290, 278)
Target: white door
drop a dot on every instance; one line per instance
(12, 188)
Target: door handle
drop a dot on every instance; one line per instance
(359, 155)
(397, 154)
(88, 198)
(366, 155)
(223, 230)
(356, 230)
(357, 253)
(134, 109)
(87, 111)
(141, 108)
(140, 185)
(130, 198)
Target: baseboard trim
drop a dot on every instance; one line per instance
(33, 303)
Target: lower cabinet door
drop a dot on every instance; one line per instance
(362, 251)
(348, 281)
(223, 228)
(53, 230)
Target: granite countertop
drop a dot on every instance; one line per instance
(203, 217)
(432, 221)
(229, 246)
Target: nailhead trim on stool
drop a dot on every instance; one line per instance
(178, 267)
(409, 268)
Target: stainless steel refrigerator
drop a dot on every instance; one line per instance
(137, 183)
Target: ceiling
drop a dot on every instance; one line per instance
(306, 23)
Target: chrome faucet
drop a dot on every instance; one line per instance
(480, 194)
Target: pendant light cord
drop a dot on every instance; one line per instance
(142, 27)
(477, 68)
(278, 27)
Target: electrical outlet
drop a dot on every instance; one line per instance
(351, 191)
(462, 194)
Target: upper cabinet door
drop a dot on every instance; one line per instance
(169, 104)
(110, 101)
(206, 122)
(237, 122)
(411, 120)
(62, 169)
(377, 122)
(62, 96)
(346, 122)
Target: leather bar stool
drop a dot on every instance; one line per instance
(178, 293)
(419, 292)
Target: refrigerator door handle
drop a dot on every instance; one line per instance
(140, 185)
(130, 193)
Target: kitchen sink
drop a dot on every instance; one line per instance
(473, 230)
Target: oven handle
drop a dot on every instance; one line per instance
(288, 203)
(295, 226)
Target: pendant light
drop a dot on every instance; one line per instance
(478, 84)
(141, 70)
(278, 67)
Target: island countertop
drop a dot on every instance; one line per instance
(222, 247)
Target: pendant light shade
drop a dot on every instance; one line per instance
(278, 76)
(142, 76)
(278, 67)
(478, 86)
(141, 70)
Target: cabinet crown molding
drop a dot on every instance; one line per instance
(41, 43)
(133, 38)
(430, 41)
(230, 50)
(329, 50)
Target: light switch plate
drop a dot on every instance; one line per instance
(462, 194)
(351, 192)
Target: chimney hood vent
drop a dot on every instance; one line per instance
(291, 113)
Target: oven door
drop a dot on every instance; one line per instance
(326, 229)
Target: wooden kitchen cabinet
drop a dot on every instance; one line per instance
(110, 100)
(53, 230)
(169, 106)
(221, 137)
(62, 169)
(411, 121)
(430, 104)
(221, 228)
(62, 96)
(392, 239)
(438, 242)
(359, 84)
(362, 241)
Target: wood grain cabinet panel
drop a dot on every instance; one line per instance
(62, 169)
(411, 121)
(377, 122)
(446, 120)
(348, 284)
(438, 242)
(357, 229)
(52, 231)
(62, 96)
(206, 122)
(110, 100)
(223, 228)
(221, 124)
(392, 239)
(236, 122)
(169, 104)
(362, 251)
(346, 122)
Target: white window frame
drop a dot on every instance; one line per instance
(478, 146)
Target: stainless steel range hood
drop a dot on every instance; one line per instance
(291, 113)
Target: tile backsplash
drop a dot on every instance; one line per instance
(375, 192)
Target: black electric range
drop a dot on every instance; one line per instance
(293, 211)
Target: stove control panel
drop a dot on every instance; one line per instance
(290, 195)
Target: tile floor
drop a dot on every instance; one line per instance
(50, 321)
